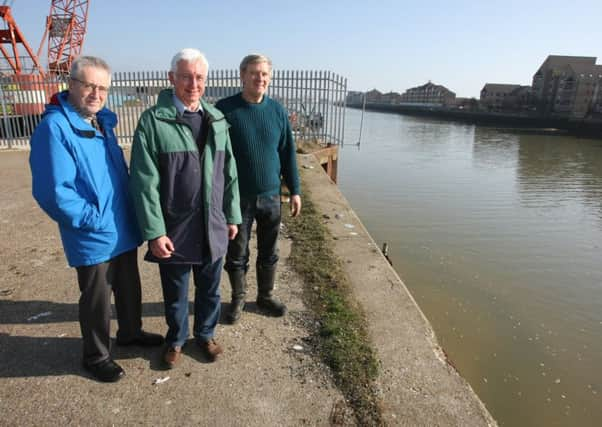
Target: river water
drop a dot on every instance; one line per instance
(498, 236)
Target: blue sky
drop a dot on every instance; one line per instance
(383, 44)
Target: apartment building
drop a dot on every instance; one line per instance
(579, 90)
(493, 95)
(355, 97)
(430, 94)
(546, 79)
(502, 96)
(390, 98)
(373, 96)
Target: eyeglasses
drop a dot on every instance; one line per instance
(90, 87)
(188, 78)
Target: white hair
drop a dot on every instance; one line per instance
(190, 55)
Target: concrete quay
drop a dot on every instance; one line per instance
(269, 374)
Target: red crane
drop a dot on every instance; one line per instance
(11, 35)
(65, 29)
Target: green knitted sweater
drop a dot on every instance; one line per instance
(263, 146)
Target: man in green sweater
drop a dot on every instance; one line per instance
(264, 149)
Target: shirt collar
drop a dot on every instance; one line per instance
(181, 108)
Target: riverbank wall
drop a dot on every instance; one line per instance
(578, 127)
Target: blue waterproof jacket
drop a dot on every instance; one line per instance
(80, 179)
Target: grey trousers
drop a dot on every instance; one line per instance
(121, 276)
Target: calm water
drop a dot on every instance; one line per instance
(498, 235)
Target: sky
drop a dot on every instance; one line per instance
(389, 45)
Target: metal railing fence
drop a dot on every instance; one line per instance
(315, 101)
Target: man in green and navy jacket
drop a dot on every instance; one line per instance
(185, 189)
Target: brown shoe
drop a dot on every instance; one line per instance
(211, 349)
(172, 356)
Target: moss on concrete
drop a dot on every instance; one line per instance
(344, 344)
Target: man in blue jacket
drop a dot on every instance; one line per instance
(80, 179)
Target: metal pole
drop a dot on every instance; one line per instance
(359, 140)
(5, 123)
(5, 119)
(342, 107)
(338, 126)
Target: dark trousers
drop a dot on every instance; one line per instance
(119, 275)
(207, 304)
(266, 211)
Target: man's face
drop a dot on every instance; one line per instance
(255, 79)
(189, 82)
(88, 90)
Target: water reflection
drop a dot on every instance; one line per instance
(498, 237)
(560, 170)
(494, 150)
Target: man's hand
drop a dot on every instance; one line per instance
(161, 247)
(295, 205)
(232, 231)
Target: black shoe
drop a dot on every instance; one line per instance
(272, 306)
(144, 339)
(106, 371)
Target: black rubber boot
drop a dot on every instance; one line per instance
(238, 282)
(265, 286)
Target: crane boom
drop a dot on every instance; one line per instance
(66, 28)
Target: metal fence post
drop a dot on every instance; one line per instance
(5, 121)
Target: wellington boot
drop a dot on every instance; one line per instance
(235, 310)
(238, 282)
(272, 306)
(265, 287)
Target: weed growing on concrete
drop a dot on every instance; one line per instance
(344, 343)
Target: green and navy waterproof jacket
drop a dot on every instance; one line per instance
(187, 195)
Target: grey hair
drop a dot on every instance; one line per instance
(190, 55)
(254, 58)
(82, 62)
